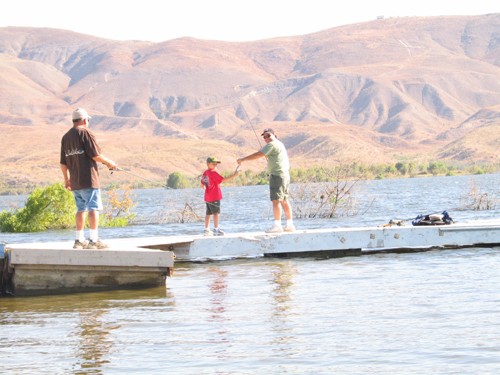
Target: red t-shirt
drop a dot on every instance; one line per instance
(211, 179)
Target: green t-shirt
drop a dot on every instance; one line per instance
(277, 158)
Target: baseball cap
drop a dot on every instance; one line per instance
(80, 114)
(213, 159)
(268, 130)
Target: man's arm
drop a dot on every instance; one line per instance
(255, 155)
(65, 172)
(103, 159)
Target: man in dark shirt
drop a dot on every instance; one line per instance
(80, 154)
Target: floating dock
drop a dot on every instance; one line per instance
(50, 268)
(326, 243)
(143, 262)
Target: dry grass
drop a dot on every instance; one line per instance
(477, 200)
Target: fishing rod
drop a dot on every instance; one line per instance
(240, 102)
(250, 122)
(136, 175)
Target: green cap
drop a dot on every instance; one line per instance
(212, 159)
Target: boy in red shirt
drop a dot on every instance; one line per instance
(210, 182)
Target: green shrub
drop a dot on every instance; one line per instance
(52, 207)
(176, 180)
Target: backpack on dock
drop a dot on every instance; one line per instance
(433, 219)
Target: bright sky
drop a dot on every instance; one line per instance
(227, 20)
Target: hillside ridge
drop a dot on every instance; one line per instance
(418, 88)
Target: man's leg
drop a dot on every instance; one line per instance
(80, 228)
(288, 209)
(276, 210)
(80, 220)
(93, 225)
(93, 220)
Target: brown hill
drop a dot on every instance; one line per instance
(386, 90)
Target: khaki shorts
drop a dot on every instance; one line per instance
(278, 187)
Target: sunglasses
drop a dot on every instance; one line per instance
(267, 136)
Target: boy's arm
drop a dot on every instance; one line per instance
(236, 173)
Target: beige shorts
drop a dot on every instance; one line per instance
(278, 187)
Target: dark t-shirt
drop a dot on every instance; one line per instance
(78, 147)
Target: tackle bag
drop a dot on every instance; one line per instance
(433, 219)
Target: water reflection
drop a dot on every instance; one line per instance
(66, 303)
(282, 322)
(94, 342)
(73, 331)
(218, 290)
(217, 308)
(282, 279)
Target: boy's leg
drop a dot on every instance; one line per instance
(207, 231)
(216, 220)
(208, 212)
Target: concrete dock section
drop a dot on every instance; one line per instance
(334, 242)
(49, 268)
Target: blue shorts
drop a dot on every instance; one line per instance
(88, 199)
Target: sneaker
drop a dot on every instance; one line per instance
(218, 232)
(289, 228)
(80, 245)
(275, 229)
(97, 245)
(207, 232)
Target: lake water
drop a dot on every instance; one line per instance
(433, 312)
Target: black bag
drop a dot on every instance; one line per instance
(433, 219)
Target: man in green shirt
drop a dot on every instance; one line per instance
(278, 167)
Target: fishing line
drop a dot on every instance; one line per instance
(136, 175)
(250, 122)
(240, 102)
